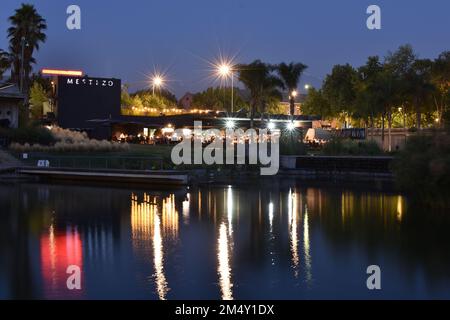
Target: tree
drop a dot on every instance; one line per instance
(38, 96)
(317, 104)
(339, 88)
(421, 86)
(411, 79)
(163, 93)
(261, 83)
(218, 98)
(440, 77)
(369, 92)
(28, 27)
(125, 99)
(5, 62)
(142, 101)
(290, 75)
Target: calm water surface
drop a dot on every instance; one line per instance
(277, 240)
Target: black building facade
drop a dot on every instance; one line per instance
(80, 99)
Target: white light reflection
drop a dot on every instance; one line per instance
(271, 216)
(161, 282)
(186, 209)
(230, 209)
(306, 246)
(293, 231)
(271, 236)
(224, 269)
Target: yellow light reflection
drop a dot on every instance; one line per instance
(142, 218)
(399, 208)
(148, 225)
(170, 217)
(224, 269)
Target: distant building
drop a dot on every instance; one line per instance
(186, 101)
(10, 100)
(299, 100)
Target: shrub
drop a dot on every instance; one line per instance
(67, 141)
(30, 134)
(341, 147)
(291, 144)
(423, 166)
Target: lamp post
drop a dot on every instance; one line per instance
(23, 43)
(292, 97)
(157, 81)
(225, 70)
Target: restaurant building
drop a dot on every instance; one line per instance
(93, 105)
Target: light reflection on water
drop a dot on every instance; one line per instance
(215, 243)
(224, 269)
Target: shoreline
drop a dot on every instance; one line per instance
(187, 177)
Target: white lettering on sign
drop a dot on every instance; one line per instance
(90, 82)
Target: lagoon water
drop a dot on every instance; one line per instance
(264, 240)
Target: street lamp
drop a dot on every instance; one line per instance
(230, 124)
(225, 70)
(157, 81)
(307, 86)
(24, 43)
(291, 126)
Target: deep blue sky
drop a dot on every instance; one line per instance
(127, 39)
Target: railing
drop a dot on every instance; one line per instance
(94, 162)
(345, 163)
(4, 142)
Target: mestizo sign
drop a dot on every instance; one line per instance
(92, 82)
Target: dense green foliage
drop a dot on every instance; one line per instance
(423, 167)
(38, 97)
(262, 85)
(372, 94)
(144, 101)
(290, 76)
(219, 98)
(347, 147)
(29, 134)
(291, 144)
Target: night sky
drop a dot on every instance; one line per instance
(128, 39)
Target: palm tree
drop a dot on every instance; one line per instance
(27, 28)
(5, 62)
(261, 84)
(290, 75)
